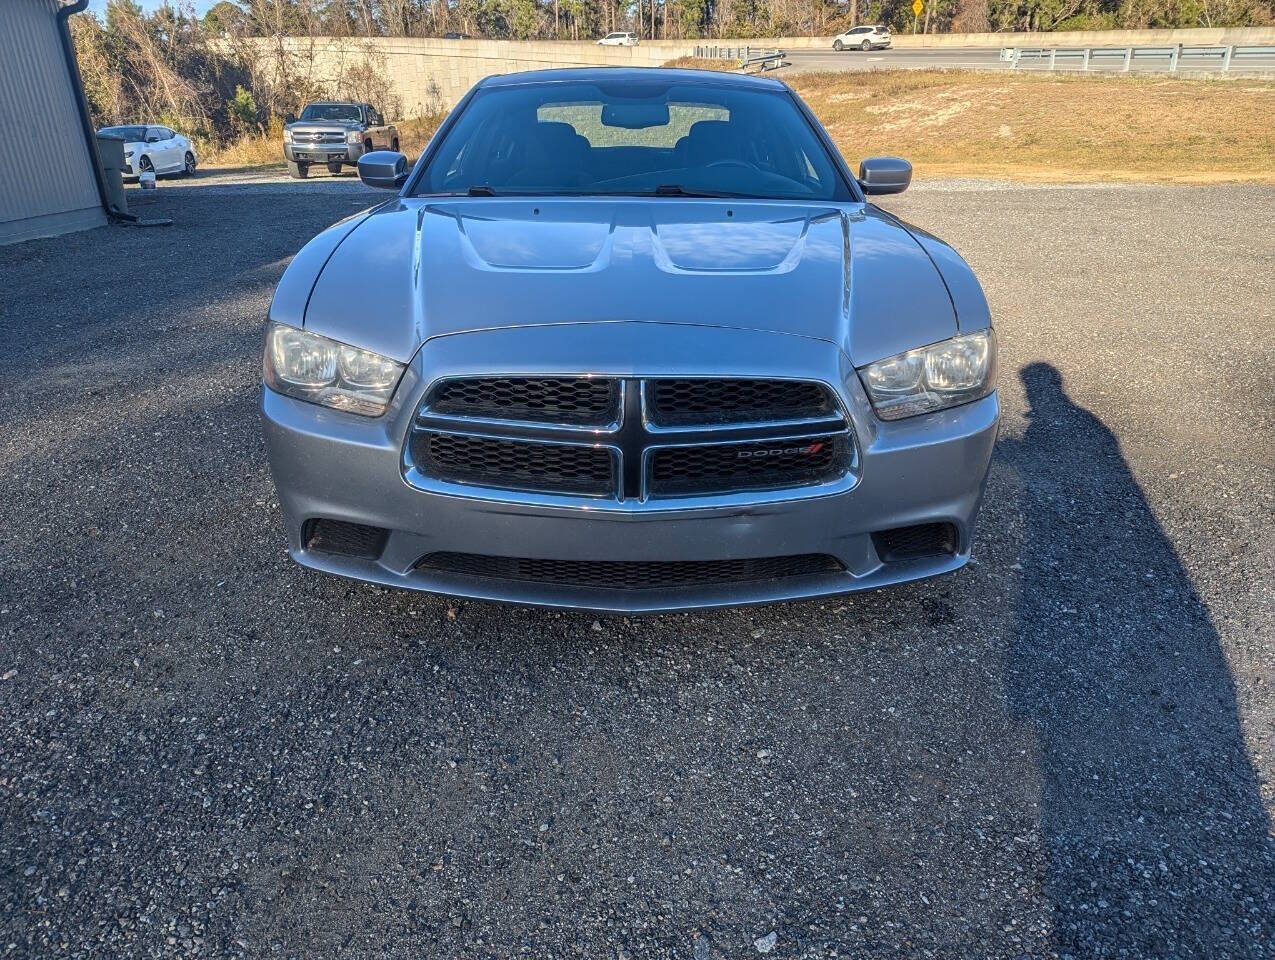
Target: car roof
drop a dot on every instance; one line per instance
(634, 74)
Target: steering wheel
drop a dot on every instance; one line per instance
(733, 163)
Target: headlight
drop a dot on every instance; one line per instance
(932, 378)
(318, 370)
(287, 135)
(354, 137)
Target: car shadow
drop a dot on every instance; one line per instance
(1155, 832)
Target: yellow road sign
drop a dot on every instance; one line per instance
(917, 7)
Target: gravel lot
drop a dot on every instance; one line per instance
(1066, 749)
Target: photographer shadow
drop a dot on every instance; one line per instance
(1157, 839)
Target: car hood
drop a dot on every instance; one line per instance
(418, 269)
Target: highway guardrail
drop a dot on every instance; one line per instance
(1167, 59)
(765, 59)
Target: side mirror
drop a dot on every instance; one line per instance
(878, 175)
(383, 168)
(289, 118)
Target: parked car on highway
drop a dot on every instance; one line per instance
(875, 37)
(150, 148)
(630, 340)
(620, 39)
(335, 134)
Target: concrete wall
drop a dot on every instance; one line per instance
(429, 73)
(1216, 36)
(47, 185)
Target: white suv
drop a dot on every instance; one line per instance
(619, 40)
(864, 38)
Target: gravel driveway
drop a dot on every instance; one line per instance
(1066, 749)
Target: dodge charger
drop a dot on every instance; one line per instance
(630, 340)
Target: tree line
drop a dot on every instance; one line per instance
(694, 19)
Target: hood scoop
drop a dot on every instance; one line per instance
(520, 236)
(736, 242)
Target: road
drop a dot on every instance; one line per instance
(1110, 59)
(808, 60)
(1064, 750)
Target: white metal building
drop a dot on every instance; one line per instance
(48, 181)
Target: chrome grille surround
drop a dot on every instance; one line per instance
(637, 444)
(318, 136)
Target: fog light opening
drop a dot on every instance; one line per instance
(342, 537)
(915, 542)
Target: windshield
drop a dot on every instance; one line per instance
(644, 138)
(130, 134)
(331, 111)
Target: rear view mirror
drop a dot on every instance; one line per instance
(635, 116)
(880, 175)
(386, 169)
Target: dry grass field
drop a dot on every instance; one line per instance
(1026, 127)
(1056, 128)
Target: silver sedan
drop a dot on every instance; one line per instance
(630, 340)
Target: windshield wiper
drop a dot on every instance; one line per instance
(677, 190)
(481, 190)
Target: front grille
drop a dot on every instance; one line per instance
(630, 574)
(515, 464)
(340, 536)
(318, 137)
(678, 402)
(912, 543)
(572, 400)
(762, 465)
(647, 438)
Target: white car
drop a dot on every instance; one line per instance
(876, 37)
(619, 40)
(151, 148)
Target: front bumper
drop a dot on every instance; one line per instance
(336, 466)
(322, 152)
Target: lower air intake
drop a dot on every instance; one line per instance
(350, 539)
(913, 543)
(630, 574)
